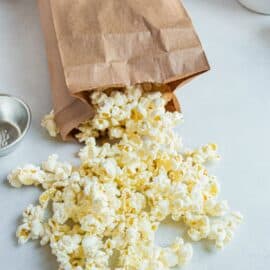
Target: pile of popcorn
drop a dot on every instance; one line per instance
(104, 214)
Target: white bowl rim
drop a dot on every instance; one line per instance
(258, 10)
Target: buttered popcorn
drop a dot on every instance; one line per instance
(49, 123)
(113, 203)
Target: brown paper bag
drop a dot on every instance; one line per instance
(99, 44)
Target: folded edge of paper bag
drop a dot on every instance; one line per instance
(71, 111)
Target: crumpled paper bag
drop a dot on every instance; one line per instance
(100, 44)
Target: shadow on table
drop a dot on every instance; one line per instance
(264, 35)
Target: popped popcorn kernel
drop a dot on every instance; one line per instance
(48, 122)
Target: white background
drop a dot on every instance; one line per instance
(230, 105)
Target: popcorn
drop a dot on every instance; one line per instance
(28, 175)
(222, 230)
(116, 133)
(60, 170)
(124, 188)
(60, 213)
(91, 244)
(69, 243)
(32, 226)
(48, 122)
(110, 167)
(216, 209)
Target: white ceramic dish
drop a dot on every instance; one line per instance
(259, 6)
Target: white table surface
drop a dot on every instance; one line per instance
(229, 105)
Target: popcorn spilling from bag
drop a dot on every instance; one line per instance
(113, 203)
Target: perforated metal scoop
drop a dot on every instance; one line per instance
(15, 119)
